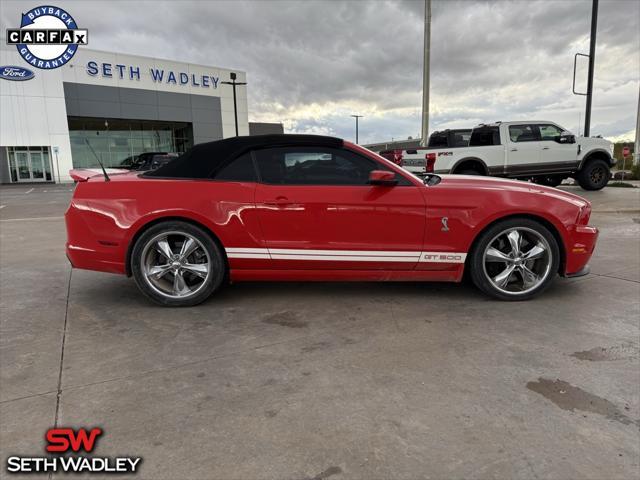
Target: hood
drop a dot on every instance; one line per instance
(475, 182)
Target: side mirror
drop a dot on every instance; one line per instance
(566, 137)
(382, 177)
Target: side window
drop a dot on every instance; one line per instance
(314, 166)
(523, 133)
(240, 169)
(484, 136)
(549, 132)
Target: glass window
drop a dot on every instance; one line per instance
(523, 133)
(316, 166)
(549, 132)
(484, 136)
(240, 169)
(118, 141)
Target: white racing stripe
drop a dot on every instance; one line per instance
(347, 255)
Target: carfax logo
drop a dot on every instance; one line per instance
(48, 37)
(67, 442)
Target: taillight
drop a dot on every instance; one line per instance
(397, 157)
(431, 161)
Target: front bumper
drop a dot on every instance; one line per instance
(581, 243)
(586, 270)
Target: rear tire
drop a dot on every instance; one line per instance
(468, 172)
(177, 264)
(515, 259)
(594, 175)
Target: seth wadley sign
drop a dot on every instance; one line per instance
(157, 75)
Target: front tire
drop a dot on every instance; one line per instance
(515, 259)
(594, 175)
(177, 264)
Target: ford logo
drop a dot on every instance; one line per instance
(10, 72)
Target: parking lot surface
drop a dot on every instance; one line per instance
(324, 380)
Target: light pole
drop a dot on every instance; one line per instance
(235, 104)
(426, 72)
(592, 61)
(356, 117)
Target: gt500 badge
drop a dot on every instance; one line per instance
(48, 37)
(439, 257)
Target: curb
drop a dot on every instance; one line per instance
(620, 210)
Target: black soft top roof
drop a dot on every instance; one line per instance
(204, 159)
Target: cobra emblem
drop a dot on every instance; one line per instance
(445, 225)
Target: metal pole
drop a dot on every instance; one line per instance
(356, 130)
(636, 148)
(426, 73)
(357, 117)
(233, 83)
(592, 59)
(58, 167)
(235, 107)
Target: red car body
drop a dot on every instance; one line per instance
(293, 232)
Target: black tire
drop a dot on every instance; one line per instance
(546, 268)
(594, 175)
(549, 180)
(468, 172)
(206, 249)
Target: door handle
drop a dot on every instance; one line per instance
(545, 148)
(278, 202)
(513, 150)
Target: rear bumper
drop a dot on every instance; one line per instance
(100, 260)
(85, 251)
(580, 246)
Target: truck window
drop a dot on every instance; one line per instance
(484, 136)
(438, 140)
(523, 133)
(549, 132)
(461, 139)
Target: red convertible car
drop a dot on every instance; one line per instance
(306, 207)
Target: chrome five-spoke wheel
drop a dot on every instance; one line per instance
(177, 264)
(515, 259)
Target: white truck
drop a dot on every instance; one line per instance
(542, 152)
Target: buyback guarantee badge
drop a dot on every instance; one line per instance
(48, 37)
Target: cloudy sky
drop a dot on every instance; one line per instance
(310, 64)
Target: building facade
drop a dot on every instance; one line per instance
(109, 106)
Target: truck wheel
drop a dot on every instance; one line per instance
(594, 175)
(515, 259)
(469, 172)
(549, 180)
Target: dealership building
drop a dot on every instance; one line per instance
(112, 106)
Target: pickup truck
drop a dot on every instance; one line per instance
(539, 151)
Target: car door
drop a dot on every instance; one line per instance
(556, 156)
(317, 211)
(523, 149)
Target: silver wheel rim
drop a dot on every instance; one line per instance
(517, 260)
(175, 264)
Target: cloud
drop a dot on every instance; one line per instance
(311, 64)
